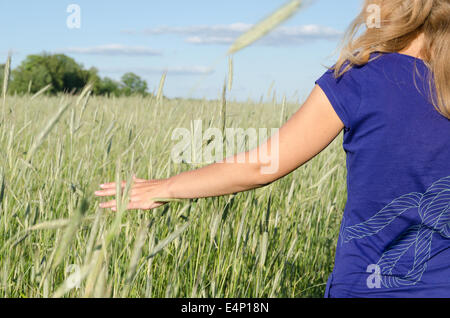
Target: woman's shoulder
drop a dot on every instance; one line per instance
(378, 65)
(355, 77)
(379, 58)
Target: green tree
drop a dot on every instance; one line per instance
(94, 79)
(108, 87)
(66, 75)
(59, 70)
(133, 84)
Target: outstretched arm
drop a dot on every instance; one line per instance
(311, 129)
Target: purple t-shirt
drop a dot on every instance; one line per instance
(394, 239)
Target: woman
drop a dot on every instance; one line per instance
(389, 91)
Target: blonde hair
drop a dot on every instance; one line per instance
(402, 21)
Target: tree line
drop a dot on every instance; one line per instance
(64, 74)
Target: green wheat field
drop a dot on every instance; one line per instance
(276, 241)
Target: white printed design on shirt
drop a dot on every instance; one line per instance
(434, 211)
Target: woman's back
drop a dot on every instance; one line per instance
(395, 233)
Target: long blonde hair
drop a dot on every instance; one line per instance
(402, 21)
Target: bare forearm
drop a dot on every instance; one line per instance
(303, 136)
(214, 180)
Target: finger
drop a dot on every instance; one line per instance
(111, 185)
(136, 189)
(138, 180)
(107, 192)
(108, 204)
(155, 205)
(135, 205)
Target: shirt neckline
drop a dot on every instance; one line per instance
(409, 56)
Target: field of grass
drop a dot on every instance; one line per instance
(277, 241)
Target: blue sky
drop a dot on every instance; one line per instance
(188, 38)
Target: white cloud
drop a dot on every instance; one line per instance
(143, 70)
(227, 33)
(206, 30)
(113, 49)
(209, 40)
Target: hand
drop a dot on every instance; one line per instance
(141, 193)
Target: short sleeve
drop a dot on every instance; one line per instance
(344, 94)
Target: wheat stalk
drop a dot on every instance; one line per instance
(159, 95)
(265, 26)
(41, 91)
(172, 236)
(6, 81)
(224, 108)
(40, 138)
(230, 73)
